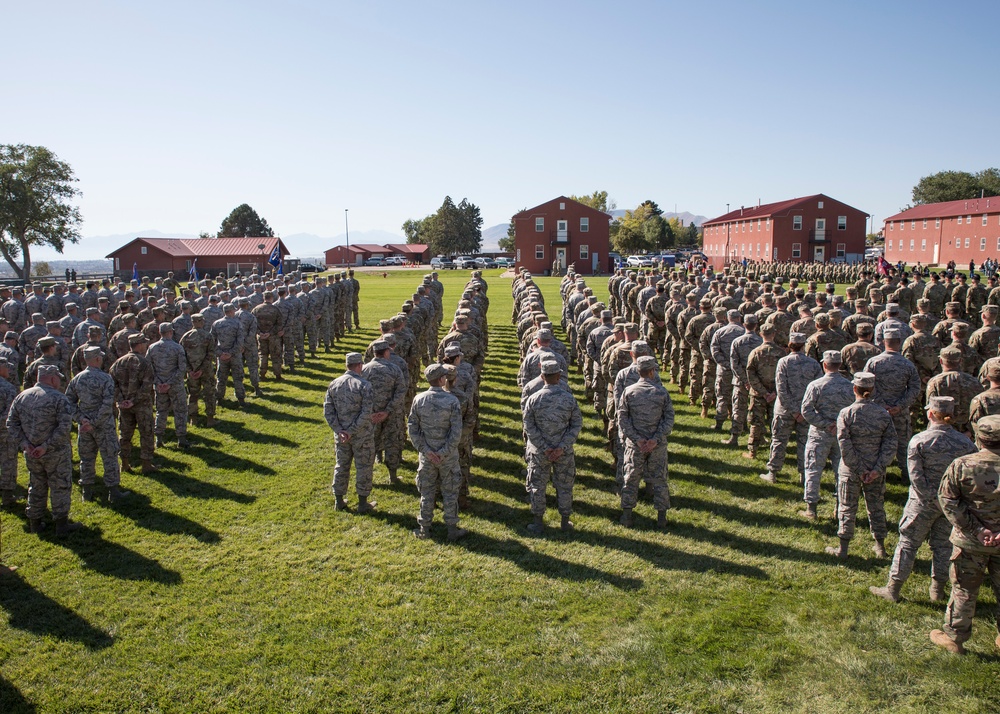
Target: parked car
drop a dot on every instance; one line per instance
(442, 263)
(311, 268)
(394, 260)
(464, 262)
(485, 263)
(639, 261)
(667, 260)
(376, 262)
(504, 263)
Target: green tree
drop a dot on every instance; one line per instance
(956, 186)
(36, 193)
(630, 233)
(454, 229)
(244, 221)
(41, 268)
(415, 229)
(507, 243)
(598, 200)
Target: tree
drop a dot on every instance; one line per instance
(598, 200)
(36, 191)
(630, 234)
(41, 268)
(244, 221)
(454, 229)
(415, 229)
(506, 244)
(956, 186)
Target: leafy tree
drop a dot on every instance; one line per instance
(454, 229)
(506, 244)
(36, 190)
(415, 229)
(244, 221)
(41, 268)
(694, 235)
(598, 200)
(630, 233)
(956, 186)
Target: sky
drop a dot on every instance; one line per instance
(171, 114)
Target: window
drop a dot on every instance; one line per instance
(562, 206)
(985, 219)
(998, 244)
(775, 252)
(584, 225)
(959, 220)
(751, 226)
(143, 250)
(743, 227)
(819, 205)
(888, 245)
(892, 226)
(539, 225)
(968, 219)
(796, 223)
(982, 244)
(758, 249)
(923, 244)
(767, 225)
(539, 252)
(925, 224)
(841, 223)
(759, 224)
(118, 262)
(967, 242)
(937, 222)
(913, 225)
(912, 246)
(796, 250)
(901, 226)
(584, 252)
(841, 250)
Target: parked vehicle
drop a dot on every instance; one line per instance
(639, 261)
(485, 263)
(464, 262)
(442, 263)
(375, 262)
(667, 259)
(505, 263)
(872, 253)
(394, 260)
(311, 268)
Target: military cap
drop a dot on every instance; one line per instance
(920, 320)
(875, 291)
(892, 334)
(720, 312)
(991, 309)
(951, 354)
(953, 305)
(941, 405)
(166, 327)
(379, 346)
(452, 350)
(52, 324)
(543, 335)
(4, 363)
(48, 370)
(550, 366)
(545, 324)
(619, 327)
(46, 341)
(750, 320)
(631, 327)
(158, 310)
(200, 317)
(243, 301)
(137, 339)
(95, 330)
(10, 335)
(865, 329)
(692, 297)
(705, 302)
(71, 306)
(461, 319)
(823, 319)
(767, 328)
(384, 324)
(796, 338)
(91, 352)
(433, 371)
(923, 302)
(833, 357)
(39, 319)
(733, 314)
(640, 347)
(390, 339)
(993, 370)
(90, 311)
(353, 358)
(620, 321)
(397, 320)
(606, 314)
(805, 310)
(960, 328)
(645, 363)
(988, 428)
(229, 307)
(865, 380)
(892, 308)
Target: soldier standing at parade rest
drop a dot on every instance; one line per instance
(970, 499)
(169, 366)
(348, 410)
(133, 376)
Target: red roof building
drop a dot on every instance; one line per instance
(936, 233)
(411, 252)
(158, 256)
(811, 228)
(562, 232)
(355, 254)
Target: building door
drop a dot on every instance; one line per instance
(561, 259)
(820, 255)
(562, 230)
(820, 229)
(937, 252)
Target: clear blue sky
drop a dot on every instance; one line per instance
(174, 113)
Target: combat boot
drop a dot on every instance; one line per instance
(87, 494)
(626, 519)
(537, 526)
(890, 592)
(341, 504)
(704, 411)
(393, 478)
(7, 498)
(147, 466)
(463, 503)
(719, 423)
(840, 552)
(769, 477)
(566, 525)
(183, 443)
(661, 519)
(64, 526)
(750, 453)
(810, 512)
(126, 466)
(937, 590)
(364, 506)
(257, 393)
(36, 525)
(879, 549)
(732, 440)
(116, 494)
(941, 639)
(241, 401)
(455, 533)
(159, 441)
(210, 421)
(422, 532)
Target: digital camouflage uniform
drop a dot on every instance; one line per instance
(721, 349)
(8, 446)
(91, 396)
(897, 384)
(229, 338)
(133, 377)
(762, 366)
(435, 425)
(270, 321)
(552, 420)
(40, 416)
(348, 408)
(199, 348)
(821, 405)
(388, 392)
(867, 442)
(792, 376)
(646, 412)
(739, 355)
(169, 367)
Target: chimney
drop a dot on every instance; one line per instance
(758, 203)
(741, 211)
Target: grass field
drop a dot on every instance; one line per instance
(228, 582)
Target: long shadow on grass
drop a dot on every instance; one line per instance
(141, 511)
(115, 560)
(33, 611)
(220, 459)
(185, 486)
(12, 701)
(239, 432)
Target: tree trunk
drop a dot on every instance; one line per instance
(26, 262)
(18, 270)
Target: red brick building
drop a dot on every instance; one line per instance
(411, 252)
(935, 233)
(355, 254)
(812, 228)
(158, 256)
(562, 230)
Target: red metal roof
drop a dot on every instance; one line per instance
(947, 209)
(561, 199)
(415, 248)
(370, 248)
(767, 209)
(210, 247)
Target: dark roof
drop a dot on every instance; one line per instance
(209, 247)
(947, 209)
(370, 248)
(780, 208)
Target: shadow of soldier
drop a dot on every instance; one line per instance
(12, 701)
(32, 611)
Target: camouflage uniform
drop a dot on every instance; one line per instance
(897, 384)
(250, 357)
(552, 420)
(199, 348)
(867, 441)
(229, 338)
(91, 396)
(133, 377)
(40, 416)
(169, 366)
(435, 425)
(962, 387)
(821, 405)
(646, 413)
(762, 365)
(739, 356)
(984, 404)
(792, 376)
(721, 349)
(8, 446)
(270, 322)
(388, 392)
(348, 408)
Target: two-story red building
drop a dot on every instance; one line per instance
(565, 232)
(812, 228)
(936, 233)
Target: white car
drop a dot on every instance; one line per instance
(394, 260)
(639, 261)
(464, 262)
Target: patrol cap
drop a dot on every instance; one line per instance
(865, 329)
(833, 357)
(606, 314)
(138, 339)
(631, 328)
(90, 311)
(941, 405)
(461, 319)
(993, 369)
(619, 327)
(550, 366)
(691, 297)
(646, 363)
(767, 328)
(453, 350)
(92, 351)
(923, 302)
(921, 321)
(39, 319)
(353, 358)
(543, 334)
(892, 308)
(988, 429)
(10, 335)
(865, 380)
(229, 307)
(200, 317)
(796, 338)
(384, 324)
(892, 334)
(951, 354)
(379, 346)
(433, 371)
(545, 324)
(720, 312)
(861, 302)
(52, 324)
(71, 306)
(46, 341)
(960, 328)
(166, 327)
(991, 309)
(733, 314)
(641, 347)
(48, 370)
(750, 320)
(390, 339)
(823, 319)
(953, 306)
(705, 302)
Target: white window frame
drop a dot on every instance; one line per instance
(539, 252)
(967, 241)
(937, 222)
(923, 244)
(913, 225)
(841, 250)
(118, 262)
(767, 224)
(986, 220)
(584, 252)
(888, 245)
(912, 245)
(143, 250)
(959, 220)
(539, 224)
(968, 219)
(982, 244)
(585, 225)
(892, 226)
(998, 244)
(819, 204)
(925, 224)
(796, 250)
(841, 223)
(796, 223)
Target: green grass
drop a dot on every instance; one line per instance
(230, 584)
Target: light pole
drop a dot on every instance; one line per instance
(727, 232)
(260, 247)
(347, 230)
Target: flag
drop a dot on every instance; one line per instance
(194, 271)
(135, 272)
(275, 258)
(883, 266)
(281, 266)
